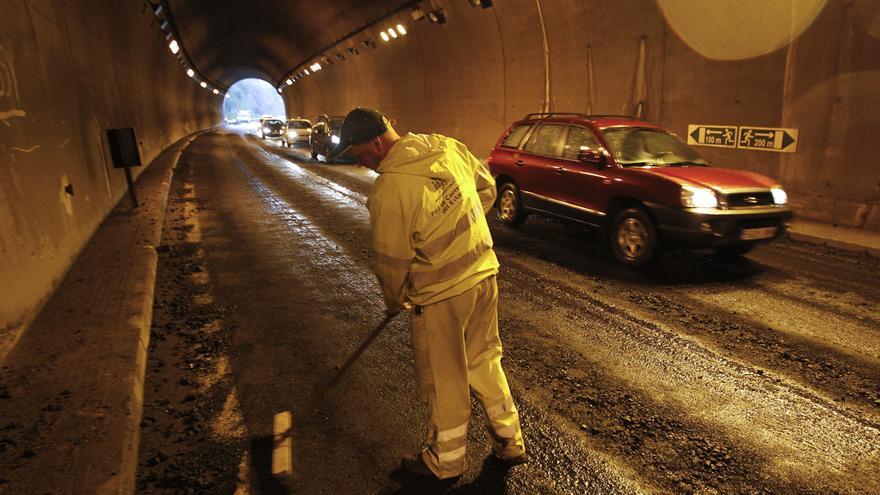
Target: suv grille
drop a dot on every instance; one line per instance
(749, 199)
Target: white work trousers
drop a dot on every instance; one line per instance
(457, 350)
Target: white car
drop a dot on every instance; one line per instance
(297, 131)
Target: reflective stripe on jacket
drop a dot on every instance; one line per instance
(428, 211)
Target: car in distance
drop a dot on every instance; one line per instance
(296, 131)
(641, 185)
(325, 135)
(271, 128)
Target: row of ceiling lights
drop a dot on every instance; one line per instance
(435, 15)
(386, 35)
(166, 25)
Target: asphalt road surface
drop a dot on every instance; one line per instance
(700, 375)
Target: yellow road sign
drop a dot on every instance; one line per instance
(722, 136)
(768, 139)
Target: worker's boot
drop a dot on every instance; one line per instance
(415, 465)
(515, 461)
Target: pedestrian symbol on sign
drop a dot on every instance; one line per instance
(768, 139)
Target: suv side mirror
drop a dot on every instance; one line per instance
(592, 156)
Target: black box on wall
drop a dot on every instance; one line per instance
(123, 147)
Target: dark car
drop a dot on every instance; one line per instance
(640, 184)
(325, 135)
(271, 128)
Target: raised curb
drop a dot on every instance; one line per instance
(74, 382)
(843, 238)
(835, 243)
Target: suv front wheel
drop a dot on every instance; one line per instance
(510, 209)
(634, 237)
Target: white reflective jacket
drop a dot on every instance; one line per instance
(428, 211)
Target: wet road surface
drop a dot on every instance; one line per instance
(700, 375)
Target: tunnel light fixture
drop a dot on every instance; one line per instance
(190, 73)
(306, 72)
(289, 81)
(279, 91)
(203, 84)
(401, 29)
(384, 36)
(315, 67)
(417, 14)
(437, 16)
(481, 3)
(392, 33)
(174, 47)
(216, 91)
(164, 25)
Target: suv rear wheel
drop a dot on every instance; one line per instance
(634, 237)
(510, 209)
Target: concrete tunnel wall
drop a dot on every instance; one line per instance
(68, 72)
(484, 68)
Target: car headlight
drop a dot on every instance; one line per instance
(698, 197)
(779, 196)
(265, 129)
(334, 139)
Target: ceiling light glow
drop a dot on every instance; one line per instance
(384, 36)
(392, 33)
(174, 47)
(190, 72)
(401, 29)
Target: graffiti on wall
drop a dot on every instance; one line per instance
(9, 100)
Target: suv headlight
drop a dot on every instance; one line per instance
(334, 139)
(779, 196)
(698, 197)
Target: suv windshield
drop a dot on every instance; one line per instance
(638, 146)
(298, 124)
(273, 123)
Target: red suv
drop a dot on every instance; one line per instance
(639, 183)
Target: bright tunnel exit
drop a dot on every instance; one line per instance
(248, 100)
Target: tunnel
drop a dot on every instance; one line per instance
(70, 71)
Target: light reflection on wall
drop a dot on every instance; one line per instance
(739, 29)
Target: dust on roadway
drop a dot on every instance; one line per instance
(700, 375)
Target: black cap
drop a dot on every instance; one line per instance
(360, 126)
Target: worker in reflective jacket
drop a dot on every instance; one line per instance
(432, 252)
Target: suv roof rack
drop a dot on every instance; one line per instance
(553, 114)
(545, 115)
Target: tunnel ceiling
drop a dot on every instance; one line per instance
(229, 41)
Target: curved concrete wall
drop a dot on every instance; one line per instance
(68, 72)
(486, 67)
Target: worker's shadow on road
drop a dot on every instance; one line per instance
(261, 468)
(491, 480)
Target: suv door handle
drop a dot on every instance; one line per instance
(520, 163)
